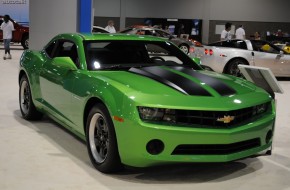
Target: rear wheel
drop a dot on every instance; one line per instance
(27, 107)
(233, 68)
(184, 48)
(25, 42)
(101, 140)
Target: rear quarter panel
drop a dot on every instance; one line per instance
(222, 56)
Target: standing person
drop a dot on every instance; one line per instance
(257, 36)
(240, 33)
(180, 30)
(110, 28)
(226, 33)
(7, 27)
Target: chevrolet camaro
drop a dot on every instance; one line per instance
(136, 106)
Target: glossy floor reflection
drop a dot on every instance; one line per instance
(42, 155)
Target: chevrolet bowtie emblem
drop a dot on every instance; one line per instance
(226, 119)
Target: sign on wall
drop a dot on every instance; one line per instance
(17, 9)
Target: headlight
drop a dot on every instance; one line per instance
(259, 109)
(156, 114)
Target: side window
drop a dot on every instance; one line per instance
(240, 44)
(157, 53)
(227, 44)
(140, 32)
(67, 49)
(219, 44)
(148, 32)
(162, 34)
(49, 49)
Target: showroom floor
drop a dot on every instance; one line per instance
(42, 155)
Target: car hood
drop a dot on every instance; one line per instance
(161, 85)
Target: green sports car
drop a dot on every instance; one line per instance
(140, 101)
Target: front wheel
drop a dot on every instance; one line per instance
(27, 107)
(101, 140)
(233, 68)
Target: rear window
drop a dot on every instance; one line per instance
(240, 44)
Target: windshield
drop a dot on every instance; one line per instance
(124, 54)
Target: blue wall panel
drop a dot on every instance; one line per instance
(85, 16)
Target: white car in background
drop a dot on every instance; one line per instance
(225, 56)
(99, 29)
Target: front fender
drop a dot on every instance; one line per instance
(31, 63)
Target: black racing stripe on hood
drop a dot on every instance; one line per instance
(216, 84)
(172, 80)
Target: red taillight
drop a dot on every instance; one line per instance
(208, 52)
(191, 50)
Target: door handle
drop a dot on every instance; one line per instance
(253, 54)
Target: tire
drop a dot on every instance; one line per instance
(233, 69)
(25, 42)
(101, 140)
(184, 48)
(27, 108)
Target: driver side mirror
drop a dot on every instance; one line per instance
(65, 63)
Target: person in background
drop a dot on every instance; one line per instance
(279, 33)
(240, 33)
(180, 30)
(226, 33)
(7, 27)
(110, 28)
(257, 36)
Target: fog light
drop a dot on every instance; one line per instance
(155, 147)
(269, 136)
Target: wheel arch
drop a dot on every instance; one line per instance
(24, 35)
(21, 74)
(89, 105)
(183, 44)
(232, 59)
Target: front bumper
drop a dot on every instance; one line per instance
(133, 138)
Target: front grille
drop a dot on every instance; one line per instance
(210, 119)
(217, 149)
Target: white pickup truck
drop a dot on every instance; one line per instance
(224, 56)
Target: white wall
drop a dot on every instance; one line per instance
(250, 10)
(228, 10)
(238, 10)
(49, 18)
(107, 8)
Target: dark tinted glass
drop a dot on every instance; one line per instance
(127, 53)
(49, 49)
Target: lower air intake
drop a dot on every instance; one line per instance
(217, 149)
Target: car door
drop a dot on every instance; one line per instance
(268, 55)
(56, 82)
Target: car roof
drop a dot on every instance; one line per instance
(102, 36)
